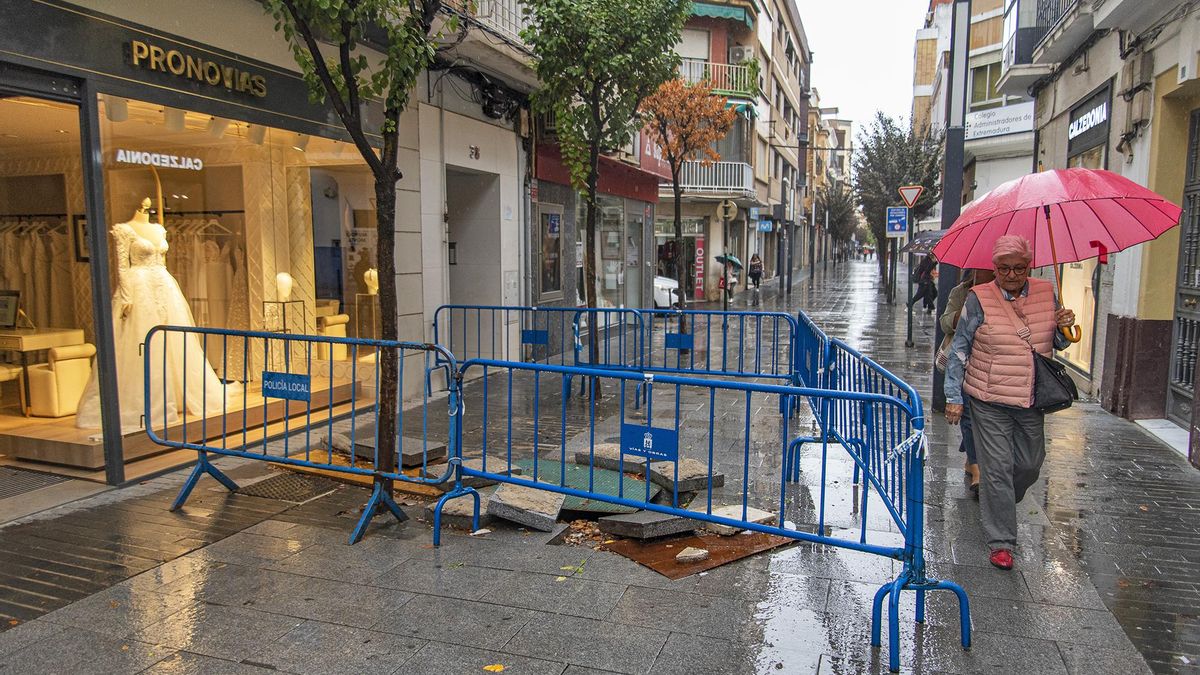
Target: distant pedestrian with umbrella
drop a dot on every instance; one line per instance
(926, 290)
(1002, 348)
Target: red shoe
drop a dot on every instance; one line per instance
(1002, 558)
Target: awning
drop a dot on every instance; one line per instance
(722, 12)
(742, 107)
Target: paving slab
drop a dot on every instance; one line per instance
(734, 511)
(645, 525)
(497, 465)
(599, 481)
(458, 512)
(413, 451)
(528, 506)
(693, 474)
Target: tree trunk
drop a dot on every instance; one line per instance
(389, 359)
(589, 265)
(680, 264)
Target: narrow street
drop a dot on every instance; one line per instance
(1106, 567)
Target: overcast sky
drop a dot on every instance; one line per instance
(863, 54)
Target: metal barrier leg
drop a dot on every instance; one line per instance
(203, 466)
(437, 511)
(964, 609)
(381, 498)
(894, 626)
(877, 614)
(920, 605)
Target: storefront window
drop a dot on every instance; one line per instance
(46, 284)
(670, 259)
(1081, 280)
(550, 250)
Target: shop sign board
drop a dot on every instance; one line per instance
(289, 386)
(1088, 123)
(1009, 119)
(653, 443)
(195, 66)
(699, 282)
(160, 160)
(766, 226)
(897, 221)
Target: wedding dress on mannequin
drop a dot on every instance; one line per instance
(147, 296)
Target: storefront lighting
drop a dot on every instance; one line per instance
(256, 134)
(301, 143)
(217, 127)
(173, 118)
(116, 109)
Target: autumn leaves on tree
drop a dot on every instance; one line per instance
(685, 121)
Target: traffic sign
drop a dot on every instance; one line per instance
(897, 221)
(910, 194)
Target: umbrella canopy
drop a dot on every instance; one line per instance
(922, 243)
(1091, 212)
(730, 259)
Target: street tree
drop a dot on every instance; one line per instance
(890, 155)
(686, 121)
(406, 36)
(837, 201)
(597, 60)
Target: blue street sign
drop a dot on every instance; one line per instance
(766, 226)
(290, 386)
(652, 443)
(897, 221)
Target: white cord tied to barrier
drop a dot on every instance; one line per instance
(917, 439)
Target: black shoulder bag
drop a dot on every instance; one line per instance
(1053, 388)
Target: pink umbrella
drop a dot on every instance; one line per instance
(1067, 214)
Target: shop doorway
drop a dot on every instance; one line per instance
(1186, 339)
(473, 253)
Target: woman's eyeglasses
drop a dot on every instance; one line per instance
(1005, 270)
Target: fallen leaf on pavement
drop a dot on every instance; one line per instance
(494, 668)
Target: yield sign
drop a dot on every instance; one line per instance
(910, 194)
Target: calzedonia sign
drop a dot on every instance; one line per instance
(196, 67)
(1088, 123)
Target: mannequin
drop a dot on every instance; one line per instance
(371, 279)
(283, 285)
(148, 296)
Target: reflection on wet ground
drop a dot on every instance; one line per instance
(1107, 567)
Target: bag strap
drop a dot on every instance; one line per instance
(1023, 332)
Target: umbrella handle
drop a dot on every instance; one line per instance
(1072, 333)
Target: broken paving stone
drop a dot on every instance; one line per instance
(413, 451)
(494, 465)
(693, 474)
(457, 512)
(646, 525)
(340, 443)
(692, 555)
(530, 507)
(734, 512)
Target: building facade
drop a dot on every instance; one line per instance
(1115, 86)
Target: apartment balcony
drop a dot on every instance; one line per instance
(716, 179)
(726, 79)
(1070, 24)
(1025, 24)
(502, 16)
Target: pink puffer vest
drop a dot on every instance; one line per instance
(1000, 369)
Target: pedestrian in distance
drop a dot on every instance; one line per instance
(926, 290)
(991, 366)
(949, 321)
(756, 270)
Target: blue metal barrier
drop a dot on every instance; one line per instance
(718, 343)
(294, 378)
(811, 343)
(712, 424)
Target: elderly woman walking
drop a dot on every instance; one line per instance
(991, 363)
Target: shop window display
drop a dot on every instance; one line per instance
(214, 223)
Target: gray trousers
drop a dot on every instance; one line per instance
(1010, 445)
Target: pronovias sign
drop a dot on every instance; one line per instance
(197, 67)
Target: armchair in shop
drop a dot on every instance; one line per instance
(332, 326)
(56, 387)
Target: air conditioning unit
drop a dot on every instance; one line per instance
(739, 53)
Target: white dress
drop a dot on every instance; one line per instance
(176, 359)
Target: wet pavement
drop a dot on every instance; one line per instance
(1107, 578)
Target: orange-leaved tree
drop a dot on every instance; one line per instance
(685, 121)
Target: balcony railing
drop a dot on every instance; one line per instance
(725, 78)
(716, 178)
(503, 16)
(1050, 11)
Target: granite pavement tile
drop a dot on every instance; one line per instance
(437, 658)
(77, 650)
(679, 612)
(562, 594)
(187, 663)
(119, 611)
(588, 642)
(1087, 659)
(316, 647)
(231, 633)
(25, 634)
(463, 622)
(685, 654)
(454, 580)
